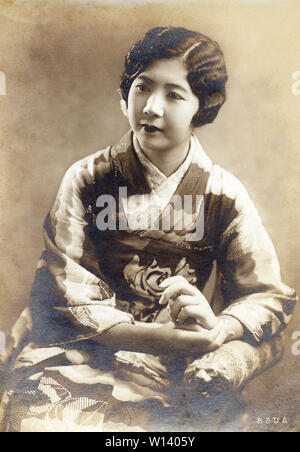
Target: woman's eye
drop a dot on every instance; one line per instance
(142, 87)
(175, 96)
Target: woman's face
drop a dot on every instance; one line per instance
(161, 106)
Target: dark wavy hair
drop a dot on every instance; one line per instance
(202, 57)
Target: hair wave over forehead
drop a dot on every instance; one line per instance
(202, 57)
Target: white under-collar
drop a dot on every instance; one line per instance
(157, 180)
(141, 210)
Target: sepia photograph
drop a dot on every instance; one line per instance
(149, 218)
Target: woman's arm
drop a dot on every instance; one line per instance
(232, 327)
(70, 294)
(163, 339)
(251, 283)
(258, 304)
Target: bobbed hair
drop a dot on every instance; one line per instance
(202, 57)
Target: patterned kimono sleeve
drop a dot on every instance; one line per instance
(79, 292)
(251, 283)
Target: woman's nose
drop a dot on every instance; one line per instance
(154, 106)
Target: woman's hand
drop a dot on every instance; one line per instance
(189, 309)
(184, 342)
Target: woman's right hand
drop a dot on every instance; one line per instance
(186, 303)
(185, 342)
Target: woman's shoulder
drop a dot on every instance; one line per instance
(229, 194)
(220, 181)
(96, 166)
(223, 182)
(88, 169)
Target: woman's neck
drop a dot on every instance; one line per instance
(168, 161)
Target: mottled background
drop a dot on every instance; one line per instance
(63, 61)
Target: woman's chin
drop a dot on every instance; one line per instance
(151, 141)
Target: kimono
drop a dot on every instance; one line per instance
(110, 241)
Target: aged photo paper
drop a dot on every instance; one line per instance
(61, 62)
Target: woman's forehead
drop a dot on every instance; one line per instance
(168, 71)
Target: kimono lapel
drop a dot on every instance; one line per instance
(180, 214)
(195, 179)
(127, 167)
(188, 197)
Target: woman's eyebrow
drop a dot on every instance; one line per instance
(145, 79)
(167, 85)
(175, 86)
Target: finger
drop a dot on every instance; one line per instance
(219, 340)
(180, 287)
(215, 332)
(182, 301)
(174, 291)
(205, 317)
(202, 340)
(171, 280)
(190, 326)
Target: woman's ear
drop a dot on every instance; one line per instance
(123, 106)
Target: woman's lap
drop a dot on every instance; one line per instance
(54, 403)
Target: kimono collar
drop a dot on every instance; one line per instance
(132, 170)
(155, 178)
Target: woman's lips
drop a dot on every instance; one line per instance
(151, 129)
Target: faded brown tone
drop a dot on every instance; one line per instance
(63, 62)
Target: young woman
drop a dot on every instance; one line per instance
(117, 305)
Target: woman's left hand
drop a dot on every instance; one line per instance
(187, 304)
